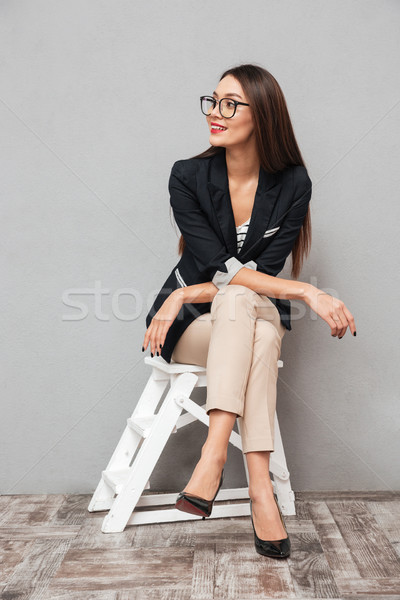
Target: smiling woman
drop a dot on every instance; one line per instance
(223, 306)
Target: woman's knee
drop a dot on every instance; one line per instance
(232, 297)
(267, 335)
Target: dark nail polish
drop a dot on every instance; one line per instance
(151, 354)
(142, 349)
(355, 333)
(157, 353)
(160, 345)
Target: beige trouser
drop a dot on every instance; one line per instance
(239, 342)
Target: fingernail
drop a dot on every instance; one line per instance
(151, 354)
(157, 353)
(142, 349)
(355, 333)
(160, 345)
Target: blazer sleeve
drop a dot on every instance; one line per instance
(272, 259)
(209, 253)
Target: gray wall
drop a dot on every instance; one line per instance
(98, 99)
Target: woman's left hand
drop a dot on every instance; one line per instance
(162, 321)
(332, 310)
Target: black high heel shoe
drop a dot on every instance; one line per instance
(194, 504)
(274, 548)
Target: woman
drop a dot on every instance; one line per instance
(242, 207)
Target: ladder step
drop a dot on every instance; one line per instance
(116, 479)
(143, 424)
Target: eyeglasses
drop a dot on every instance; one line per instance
(227, 107)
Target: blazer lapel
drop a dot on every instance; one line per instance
(218, 186)
(266, 196)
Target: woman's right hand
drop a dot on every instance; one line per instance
(332, 310)
(162, 321)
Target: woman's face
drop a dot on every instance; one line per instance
(239, 128)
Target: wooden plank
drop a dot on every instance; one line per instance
(68, 595)
(309, 567)
(338, 555)
(12, 552)
(178, 533)
(90, 535)
(368, 544)
(5, 502)
(152, 594)
(28, 509)
(373, 585)
(242, 573)
(347, 495)
(387, 515)
(35, 571)
(371, 597)
(302, 515)
(73, 510)
(24, 532)
(124, 568)
(203, 572)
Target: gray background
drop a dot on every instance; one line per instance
(98, 99)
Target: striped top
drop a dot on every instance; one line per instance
(241, 231)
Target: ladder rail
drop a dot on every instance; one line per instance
(148, 455)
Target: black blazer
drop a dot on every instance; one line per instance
(199, 196)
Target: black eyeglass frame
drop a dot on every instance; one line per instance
(215, 101)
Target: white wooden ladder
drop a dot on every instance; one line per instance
(128, 472)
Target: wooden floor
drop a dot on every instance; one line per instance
(344, 545)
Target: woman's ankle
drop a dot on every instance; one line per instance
(215, 452)
(261, 491)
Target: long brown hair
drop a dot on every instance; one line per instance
(275, 140)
